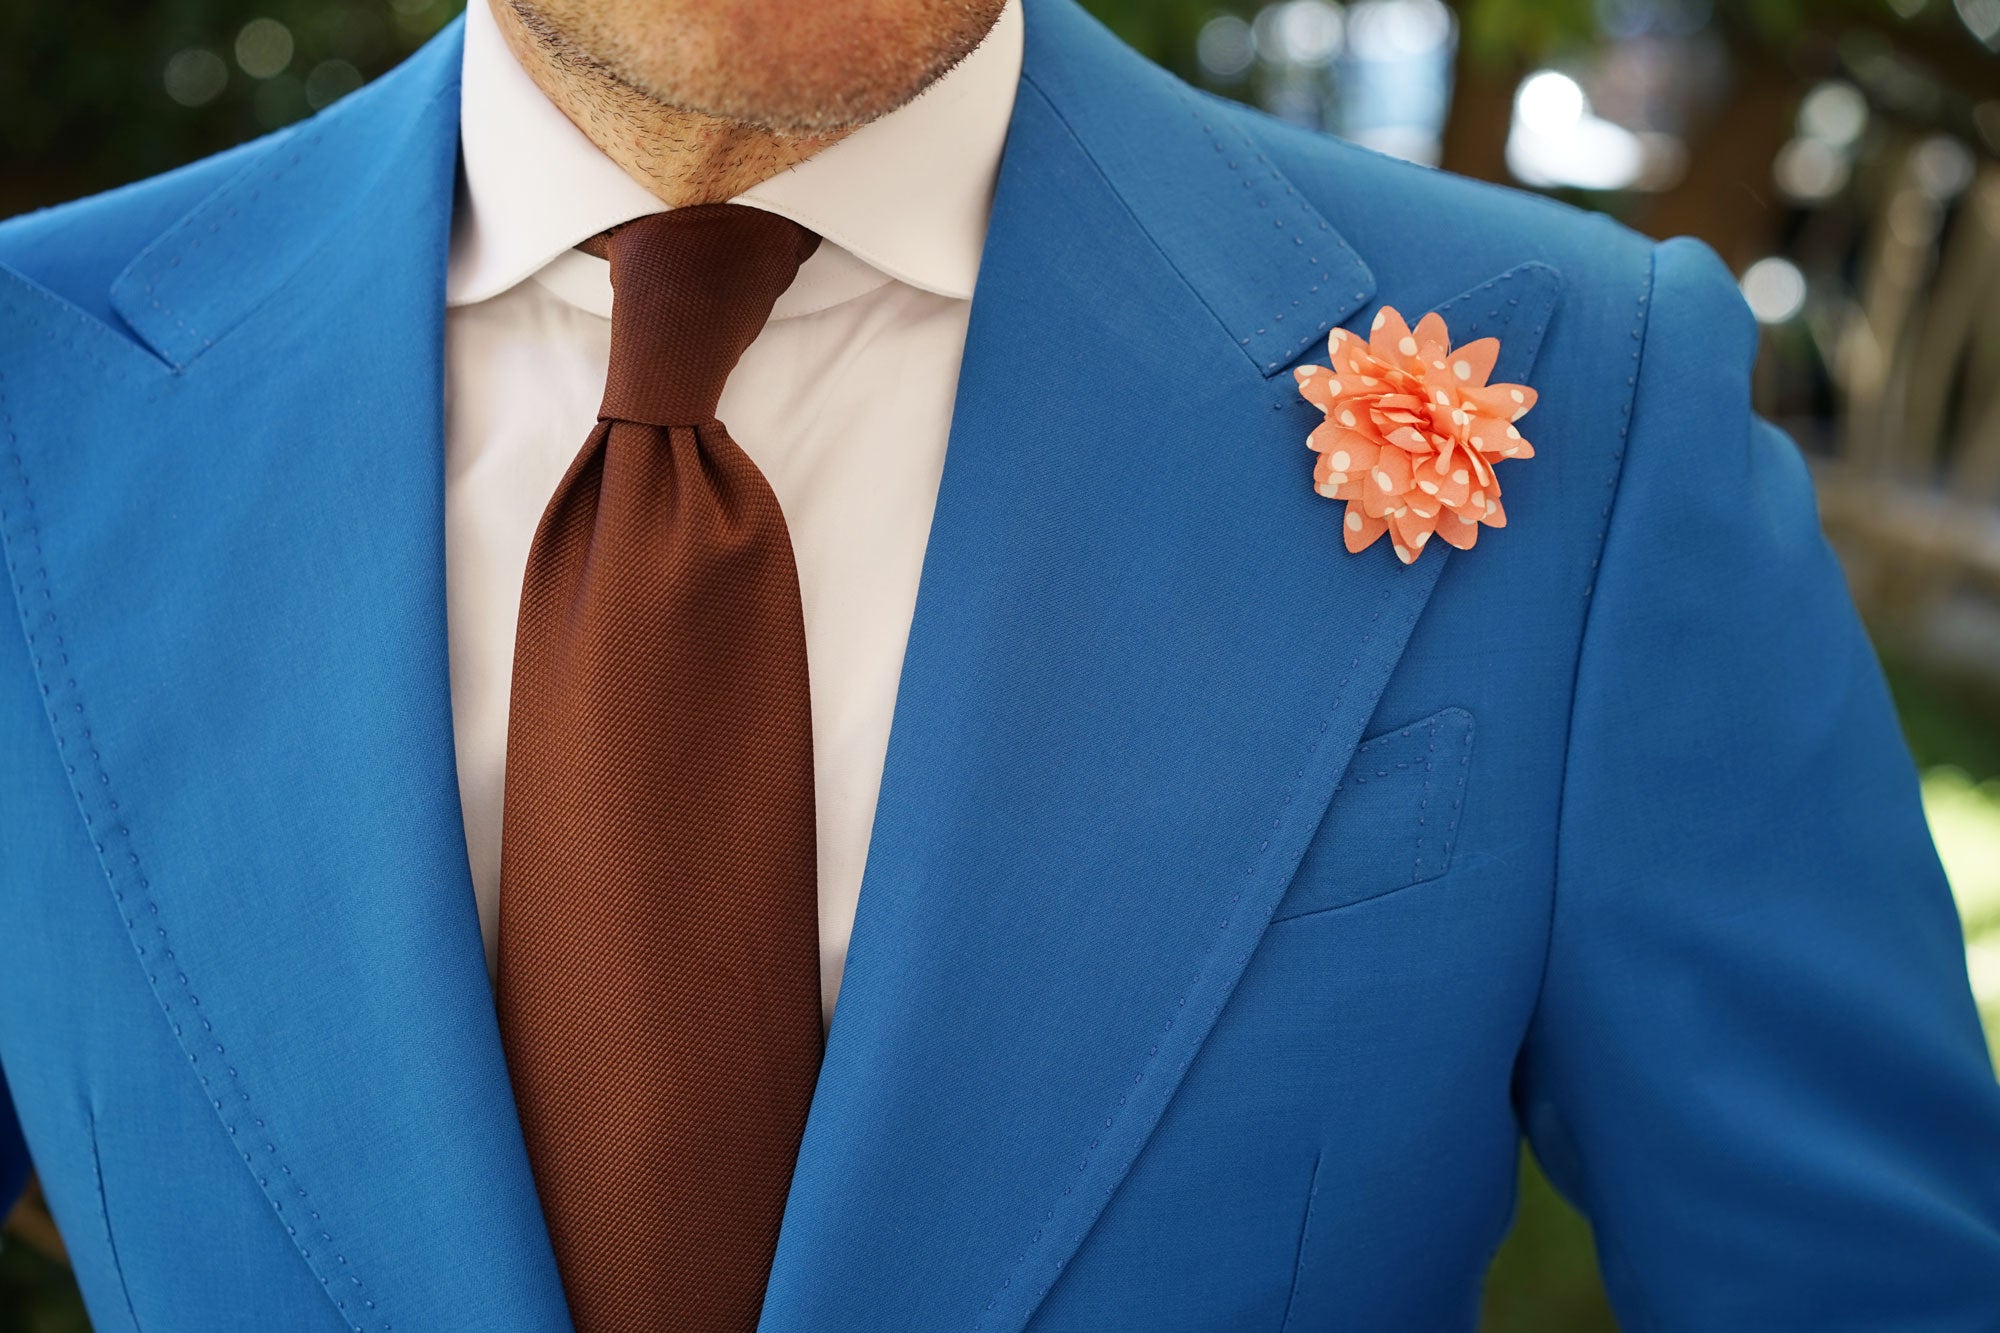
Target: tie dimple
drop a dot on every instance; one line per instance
(691, 290)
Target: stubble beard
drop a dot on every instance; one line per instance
(604, 58)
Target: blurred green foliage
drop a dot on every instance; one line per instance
(1544, 1280)
(84, 84)
(37, 1294)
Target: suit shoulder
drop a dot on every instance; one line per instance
(77, 249)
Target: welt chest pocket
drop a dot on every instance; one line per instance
(1393, 819)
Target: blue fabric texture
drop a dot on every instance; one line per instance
(1234, 904)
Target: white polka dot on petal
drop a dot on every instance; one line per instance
(1408, 347)
(1461, 476)
(1517, 395)
(1478, 499)
(1405, 554)
(1340, 460)
(1462, 369)
(1421, 538)
(1513, 432)
(1353, 521)
(1381, 318)
(1428, 487)
(1384, 480)
(1347, 418)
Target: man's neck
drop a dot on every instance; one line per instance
(684, 157)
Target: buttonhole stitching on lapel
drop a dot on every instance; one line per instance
(1325, 274)
(1496, 286)
(272, 177)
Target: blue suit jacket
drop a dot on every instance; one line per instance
(1234, 903)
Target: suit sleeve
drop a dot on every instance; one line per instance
(1755, 1063)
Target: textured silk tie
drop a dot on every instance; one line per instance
(659, 957)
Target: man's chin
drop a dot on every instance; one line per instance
(790, 105)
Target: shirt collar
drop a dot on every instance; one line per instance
(905, 197)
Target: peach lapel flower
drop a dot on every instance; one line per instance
(1412, 432)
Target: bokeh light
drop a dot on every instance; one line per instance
(1224, 48)
(263, 48)
(195, 77)
(1775, 290)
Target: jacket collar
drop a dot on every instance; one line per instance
(1129, 691)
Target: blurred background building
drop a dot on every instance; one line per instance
(1842, 155)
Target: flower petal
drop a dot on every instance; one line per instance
(1499, 439)
(1457, 530)
(1472, 363)
(1482, 472)
(1411, 439)
(1509, 402)
(1343, 344)
(1433, 339)
(1390, 338)
(1391, 471)
(1450, 483)
(1318, 386)
(1347, 450)
(1361, 529)
(1409, 531)
(1412, 432)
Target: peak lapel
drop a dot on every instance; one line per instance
(1139, 663)
(240, 620)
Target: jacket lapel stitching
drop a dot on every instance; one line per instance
(136, 294)
(1495, 288)
(125, 873)
(1354, 268)
(45, 306)
(147, 262)
(1341, 259)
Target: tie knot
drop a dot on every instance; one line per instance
(691, 289)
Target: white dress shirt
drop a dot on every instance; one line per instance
(844, 401)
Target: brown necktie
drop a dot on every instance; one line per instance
(659, 956)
